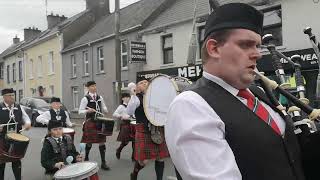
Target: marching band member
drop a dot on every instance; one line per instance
(55, 113)
(89, 105)
(145, 148)
(232, 132)
(126, 133)
(7, 107)
(56, 149)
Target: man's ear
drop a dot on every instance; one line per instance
(212, 48)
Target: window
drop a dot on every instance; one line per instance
(33, 91)
(51, 63)
(167, 49)
(85, 63)
(100, 60)
(73, 66)
(14, 72)
(200, 39)
(51, 90)
(20, 71)
(75, 97)
(31, 69)
(1, 70)
(8, 74)
(273, 25)
(124, 54)
(40, 66)
(20, 94)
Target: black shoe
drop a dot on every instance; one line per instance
(104, 166)
(133, 176)
(118, 154)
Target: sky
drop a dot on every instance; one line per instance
(15, 15)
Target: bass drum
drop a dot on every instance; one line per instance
(160, 93)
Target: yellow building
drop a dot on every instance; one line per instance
(43, 76)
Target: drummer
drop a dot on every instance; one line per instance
(7, 107)
(126, 133)
(58, 150)
(145, 148)
(90, 105)
(55, 113)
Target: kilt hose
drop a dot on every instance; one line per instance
(127, 132)
(90, 133)
(145, 148)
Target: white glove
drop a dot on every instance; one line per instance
(132, 88)
(59, 165)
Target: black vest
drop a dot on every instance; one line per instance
(92, 104)
(139, 113)
(4, 117)
(62, 114)
(260, 153)
(58, 155)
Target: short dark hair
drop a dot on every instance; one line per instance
(220, 36)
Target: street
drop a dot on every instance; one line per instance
(120, 169)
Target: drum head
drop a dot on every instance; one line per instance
(67, 130)
(159, 94)
(77, 171)
(17, 137)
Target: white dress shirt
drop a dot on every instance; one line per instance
(25, 117)
(84, 103)
(195, 136)
(45, 117)
(133, 104)
(120, 112)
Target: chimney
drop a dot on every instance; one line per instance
(30, 33)
(53, 20)
(16, 40)
(102, 5)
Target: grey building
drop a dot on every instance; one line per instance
(92, 56)
(167, 37)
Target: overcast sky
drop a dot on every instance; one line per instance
(15, 15)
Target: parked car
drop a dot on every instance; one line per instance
(34, 106)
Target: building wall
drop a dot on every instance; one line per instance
(181, 37)
(296, 15)
(47, 79)
(18, 84)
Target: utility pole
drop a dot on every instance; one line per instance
(117, 50)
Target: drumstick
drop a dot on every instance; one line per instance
(23, 129)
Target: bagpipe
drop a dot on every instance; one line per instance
(304, 118)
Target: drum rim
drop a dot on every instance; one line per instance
(145, 99)
(87, 172)
(65, 128)
(10, 137)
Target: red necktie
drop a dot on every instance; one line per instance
(254, 105)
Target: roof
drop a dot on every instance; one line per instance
(50, 32)
(131, 16)
(182, 11)
(42, 36)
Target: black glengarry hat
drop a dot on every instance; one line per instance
(90, 83)
(55, 99)
(54, 124)
(232, 16)
(7, 91)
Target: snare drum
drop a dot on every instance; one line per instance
(160, 93)
(69, 131)
(107, 125)
(13, 147)
(78, 171)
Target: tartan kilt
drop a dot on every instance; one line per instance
(145, 148)
(127, 132)
(90, 133)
